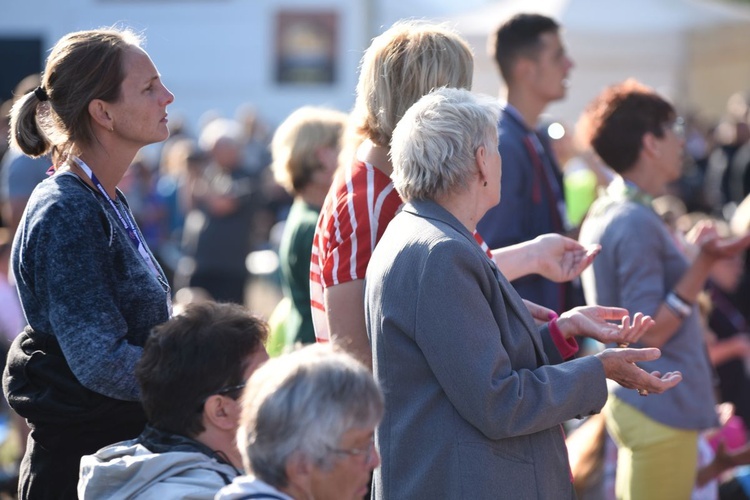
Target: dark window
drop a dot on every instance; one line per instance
(19, 57)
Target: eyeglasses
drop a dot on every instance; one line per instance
(356, 452)
(231, 388)
(221, 392)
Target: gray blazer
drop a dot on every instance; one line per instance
(474, 392)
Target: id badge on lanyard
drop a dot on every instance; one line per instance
(130, 229)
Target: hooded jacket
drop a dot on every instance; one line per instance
(157, 465)
(249, 487)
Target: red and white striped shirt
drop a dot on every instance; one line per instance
(358, 208)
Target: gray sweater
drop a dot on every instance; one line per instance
(81, 280)
(638, 265)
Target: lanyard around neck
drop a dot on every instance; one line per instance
(630, 191)
(618, 191)
(127, 223)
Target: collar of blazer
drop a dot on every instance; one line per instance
(431, 210)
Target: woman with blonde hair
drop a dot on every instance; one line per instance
(304, 151)
(90, 288)
(401, 65)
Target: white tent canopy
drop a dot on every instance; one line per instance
(692, 51)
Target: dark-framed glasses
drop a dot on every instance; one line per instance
(229, 389)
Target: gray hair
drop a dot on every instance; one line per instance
(434, 145)
(303, 403)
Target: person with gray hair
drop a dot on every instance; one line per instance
(401, 65)
(306, 429)
(475, 393)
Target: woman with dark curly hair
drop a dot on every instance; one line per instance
(642, 267)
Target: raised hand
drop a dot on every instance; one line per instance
(560, 258)
(619, 365)
(722, 248)
(596, 322)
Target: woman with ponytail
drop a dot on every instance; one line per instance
(90, 288)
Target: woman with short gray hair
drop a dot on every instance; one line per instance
(475, 393)
(438, 158)
(400, 66)
(307, 426)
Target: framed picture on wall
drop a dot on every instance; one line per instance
(306, 47)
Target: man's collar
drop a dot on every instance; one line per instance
(159, 441)
(516, 116)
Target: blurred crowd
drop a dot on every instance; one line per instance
(235, 202)
(204, 200)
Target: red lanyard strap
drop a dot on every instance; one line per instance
(541, 179)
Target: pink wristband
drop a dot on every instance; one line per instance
(567, 347)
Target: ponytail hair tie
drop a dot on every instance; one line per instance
(41, 94)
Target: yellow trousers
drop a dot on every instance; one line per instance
(654, 461)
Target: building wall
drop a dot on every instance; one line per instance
(718, 66)
(212, 54)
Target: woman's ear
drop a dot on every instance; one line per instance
(481, 160)
(327, 157)
(298, 471)
(650, 145)
(100, 115)
(320, 154)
